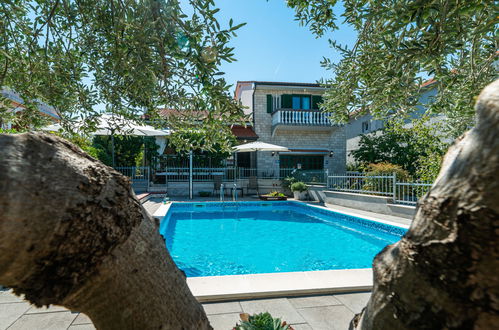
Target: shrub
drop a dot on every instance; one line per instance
(383, 169)
(276, 194)
(204, 194)
(263, 321)
(288, 181)
(299, 186)
(386, 168)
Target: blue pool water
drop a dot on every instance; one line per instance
(207, 239)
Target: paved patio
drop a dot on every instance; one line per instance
(326, 312)
(321, 312)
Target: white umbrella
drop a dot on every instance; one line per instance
(115, 125)
(109, 124)
(259, 146)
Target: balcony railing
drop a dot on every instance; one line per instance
(300, 117)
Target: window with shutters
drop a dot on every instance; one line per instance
(300, 102)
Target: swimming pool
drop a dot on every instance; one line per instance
(209, 239)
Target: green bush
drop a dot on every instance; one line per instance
(288, 181)
(383, 169)
(276, 194)
(299, 186)
(263, 321)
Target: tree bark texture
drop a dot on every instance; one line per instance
(72, 233)
(444, 273)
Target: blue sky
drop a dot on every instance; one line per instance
(273, 46)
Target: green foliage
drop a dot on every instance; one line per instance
(372, 183)
(128, 57)
(288, 181)
(218, 142)
(83, 142)
(263, 321)
(9, 131)
(399, 43)
(407, 147)
(128, 150)
(384, 168)
(429, 167)
(299, 186)
(276, 194)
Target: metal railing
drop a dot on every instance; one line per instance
(140, 176)
(403, 192)
(199, 174)
(135, 173)
(300, 117)
(410, 192)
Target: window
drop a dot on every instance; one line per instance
(305, 102)
(300, 102)
(365, 126)
(296, 102)
(307, 162)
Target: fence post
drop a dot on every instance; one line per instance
(394, 187)
(148, 169)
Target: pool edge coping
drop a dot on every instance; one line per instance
(272, 285)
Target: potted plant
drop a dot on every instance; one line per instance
(286, 184)
(274, 196)
(299, 190)
(261, 321)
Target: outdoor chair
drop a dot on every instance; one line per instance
(252, 185)
(217, 182)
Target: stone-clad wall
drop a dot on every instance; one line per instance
(296, 138)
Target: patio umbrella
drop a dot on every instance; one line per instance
(259, 146)
(256, 146)
(109, 124)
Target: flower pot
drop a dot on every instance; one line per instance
(300, 195)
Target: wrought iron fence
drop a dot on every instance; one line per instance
(410, 192)
(403, 192)
(135, 173)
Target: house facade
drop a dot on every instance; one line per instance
(16, 106)
(366, 124)
(287, 114)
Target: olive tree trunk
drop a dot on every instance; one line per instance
(444, 273)
(72, 233)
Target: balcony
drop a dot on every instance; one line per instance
(286, 119)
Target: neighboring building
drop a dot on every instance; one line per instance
(17, 106)
(366, 124)
(287, 114)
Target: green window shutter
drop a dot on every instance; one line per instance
(286, 101)
(270, 105)
(316, 99)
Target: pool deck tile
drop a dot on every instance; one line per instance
(46, 321)
(327, 317)
(314, 301)
(82, 319)
(222, 308)
(82, 327)
(224, 321)
(10, 312)
(354, 301)
(302, 326)
(312, 312)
